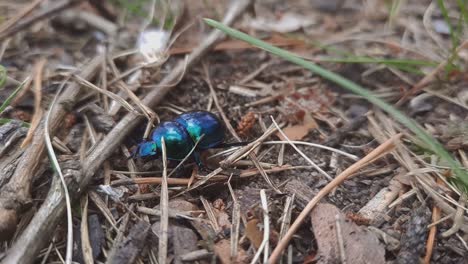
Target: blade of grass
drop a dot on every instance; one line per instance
(461, 178)
(12, 96)
(411, 66)
(407, 65)
(455, 33)
(3, 76)
(8, 120)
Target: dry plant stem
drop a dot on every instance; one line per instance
(235, 227)
(212, 177)
(86, 248)
(47, 13)
(12, 21)
(38, 69)
(379, 151)
(15, 195)
(40, 230)
(432, 234)
(164, 204)
(266, 231)
(458, 218)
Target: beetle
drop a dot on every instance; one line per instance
(200, 128)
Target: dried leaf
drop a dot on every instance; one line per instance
(253, 233)
(298, 132)
(223, 250)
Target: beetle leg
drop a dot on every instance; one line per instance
(196, 156)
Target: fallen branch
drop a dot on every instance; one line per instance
(15, 196)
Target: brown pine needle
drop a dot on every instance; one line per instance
(38, 69)
(378, 152)
(432, 234)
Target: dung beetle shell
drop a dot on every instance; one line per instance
(182, 134)
(202, 123)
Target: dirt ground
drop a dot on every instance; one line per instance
(380, 194)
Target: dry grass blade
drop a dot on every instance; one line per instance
(212, 177)
(300, 152)
(295, 142)
(264, 246)
(164, 205)
(378, 152)
(12, 21)
(210, 214)
(458, 219)
(86, 248)
(244, 151)
(112, 95)
(101, 205)
(38, 69)
(431, 236)
(235, 227)
(56, 165)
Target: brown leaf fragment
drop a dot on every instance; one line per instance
(298, 132)
(331, 229)
(253, 233)
(222, 249)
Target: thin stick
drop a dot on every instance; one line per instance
(379, 151)
(432, 234)
(209, 178)
(164, 205)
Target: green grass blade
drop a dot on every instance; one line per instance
(11, 97)
(434, 145)
(3, 76)
(8, 120)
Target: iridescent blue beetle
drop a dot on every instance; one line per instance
(181, 135)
